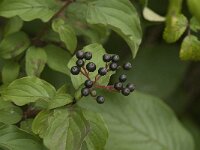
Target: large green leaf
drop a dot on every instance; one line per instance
(36, 59)
(29, 10)
(66, 33)
(194, 24)
(9, 114)
(97, 52)
(12, 138)
(194, 8)
(57, 59)
(190, 48)
(10, 71)
(28, 89)
(71, 129)
(140, 122)
(13, 45)
(118, 15)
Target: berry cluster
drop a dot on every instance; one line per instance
(111, 64)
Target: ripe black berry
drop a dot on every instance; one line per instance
(127, 66)
(85, 91)
(107, 58)
(88, 83)
(100, 99)
(102, 71)
(88, 55)
(80, 63)
(126, 91)
(131, 87)
(115, 58)
(113, 66)
(75, 70)
(118, 86)
(91, 67)
(122, 78)
(80, 54)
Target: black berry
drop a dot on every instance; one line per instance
(100, 99)
(88, 83)
(91, 67)
(115, 58)
(122, 78)
(75, 70)
(85, 91)
(88, 55)
(107, 58)
(80, 63)
(93, 93)
(127, 66)
(80, 54)
(131, 87)
(118, 86)
(102, 71)
(126, 91)
(113, 66)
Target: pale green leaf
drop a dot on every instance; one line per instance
(194, 8)
(13, 25)
(70, 129)
(66, 33)
(28, 89)
(190, 48)
(36, 59)
(13, 45)
(140, 122)
(194, 24)
(9, 114)
(150, 15)
(29, 10)
(118, 15)
(57, 59)
(12, 138)
(175, 27)
(10, 71)
(97, 53)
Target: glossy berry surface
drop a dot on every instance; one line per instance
(115, 58)
(75, 70)
(127, 66)
(102, 71)
(88, 83)
(118, 86)
(131, 87)
(80, 63)
(100, 99)
(122, 78)
(88, 55)
(107, 58)
(125, 91)
(113, 66)
(91, 67)
(85, 92)
(80, 54)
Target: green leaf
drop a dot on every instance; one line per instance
(174, 7)
(28, 89)
(57, 59)
(28, 10)
(150, 15)
(9, 114)
(13, 45)
(60, 100)
(70, 129)
(98, 51)
(12, 138)
(194, 8)
(141, 122)
(175, 27)
(13, 25)
(10, 71)
(26, 125)
(194, 24)
(118, 15)
(66, 33)
(190, 48)
(36, 59)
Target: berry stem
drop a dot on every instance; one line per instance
(86, 73)
(83, 73)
